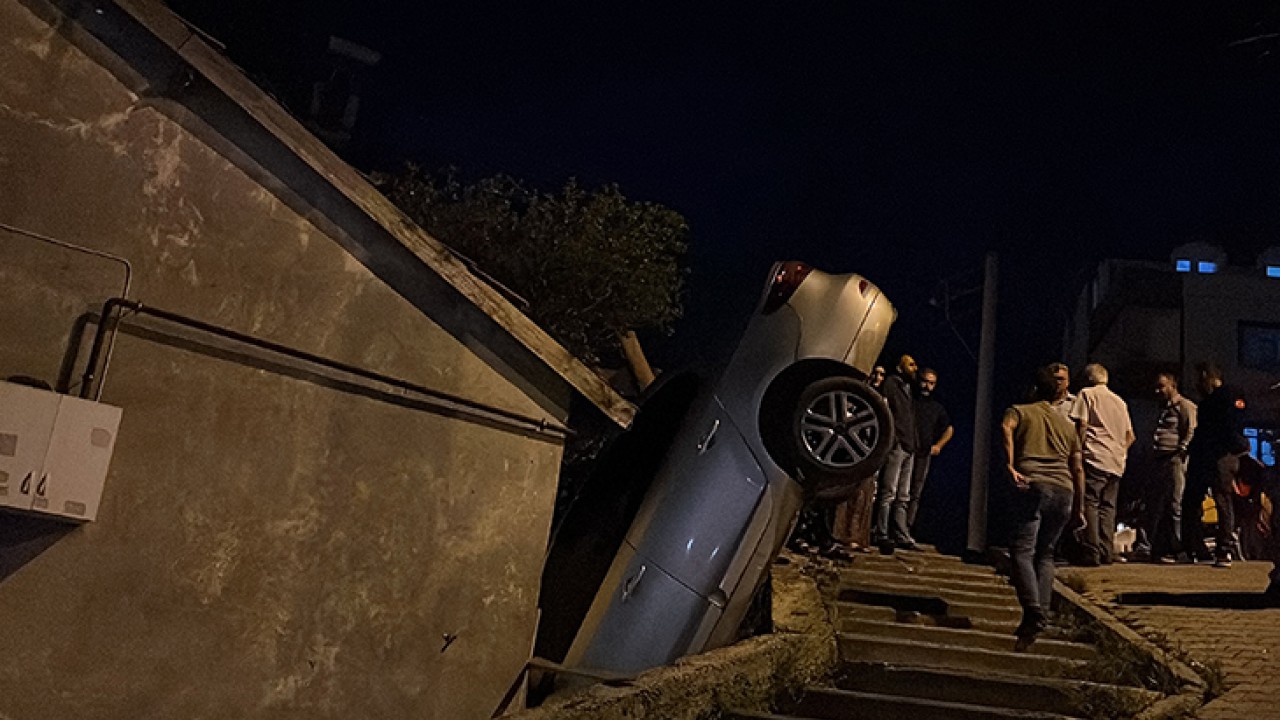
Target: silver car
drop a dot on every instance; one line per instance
(789, 418)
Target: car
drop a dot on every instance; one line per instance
(703, 491)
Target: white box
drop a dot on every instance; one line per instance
(54, 451)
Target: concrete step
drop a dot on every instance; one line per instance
(1016, 692)
(994, 583)
(889, 614)
(847, 705)
(958, 571)
(929, 604)
(856, 647)
(960, 637)
(1003, 597)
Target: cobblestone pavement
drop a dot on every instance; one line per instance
(1213, 614)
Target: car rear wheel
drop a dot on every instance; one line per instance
(840, 432)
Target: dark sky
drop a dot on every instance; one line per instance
(899, 140)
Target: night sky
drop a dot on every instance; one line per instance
(899, 140)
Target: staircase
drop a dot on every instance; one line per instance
(925, 636)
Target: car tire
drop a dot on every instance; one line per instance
(839, 432)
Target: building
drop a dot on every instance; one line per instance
(333, 483)
(1139, 318)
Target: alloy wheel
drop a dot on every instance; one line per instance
(839, 429)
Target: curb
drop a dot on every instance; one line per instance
(1187, 700)
(801, 651)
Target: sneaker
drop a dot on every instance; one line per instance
(1033, 623)
(1223, 561)
(1167, 560)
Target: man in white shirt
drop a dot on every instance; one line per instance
(1106, 432)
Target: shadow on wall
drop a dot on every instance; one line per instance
(23, 537)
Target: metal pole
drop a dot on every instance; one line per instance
(980, 473)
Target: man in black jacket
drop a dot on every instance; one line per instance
(1219, 434)
(933, 432)
(893, 492)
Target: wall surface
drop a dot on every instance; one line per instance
(275, 540)
(1215, 306)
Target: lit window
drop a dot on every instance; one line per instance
(1273, 271)
(1205, 267)
(1260, 445)
(1182, 265)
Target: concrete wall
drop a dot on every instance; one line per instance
(1198, 321)
(1215, 306)
(274, 541)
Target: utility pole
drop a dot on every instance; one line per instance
(981, 469)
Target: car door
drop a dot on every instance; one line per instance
(647, 619)
(697, 517)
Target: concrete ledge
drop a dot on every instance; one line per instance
(1180, 705)
(748, 675)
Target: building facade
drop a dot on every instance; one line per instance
(1139, 318)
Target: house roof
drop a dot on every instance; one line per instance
(433, 256)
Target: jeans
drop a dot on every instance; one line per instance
(1040, 515)
(919, 473)
(1214, 474)
(1164, 506)
(1101, 490)
(1224, 497)
(893, 494)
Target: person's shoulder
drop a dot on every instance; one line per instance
(1186, 403)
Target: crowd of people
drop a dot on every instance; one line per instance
(882, 514)
(1066, 455)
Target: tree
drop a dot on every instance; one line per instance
(590, 266)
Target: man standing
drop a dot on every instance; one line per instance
(1043, 450)
(852, 525)
(876, 380)
(933, 432)
(1218, 435)
(1174, 430)
(1106, 433)
(894, 491)
(1063, 400)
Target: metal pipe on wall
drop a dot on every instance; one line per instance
(124, 291)
(455, 403)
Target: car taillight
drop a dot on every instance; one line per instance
(787, 276)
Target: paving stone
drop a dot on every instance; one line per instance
(1212, 615)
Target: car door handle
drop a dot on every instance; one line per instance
(629, 586)
(710, 438)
